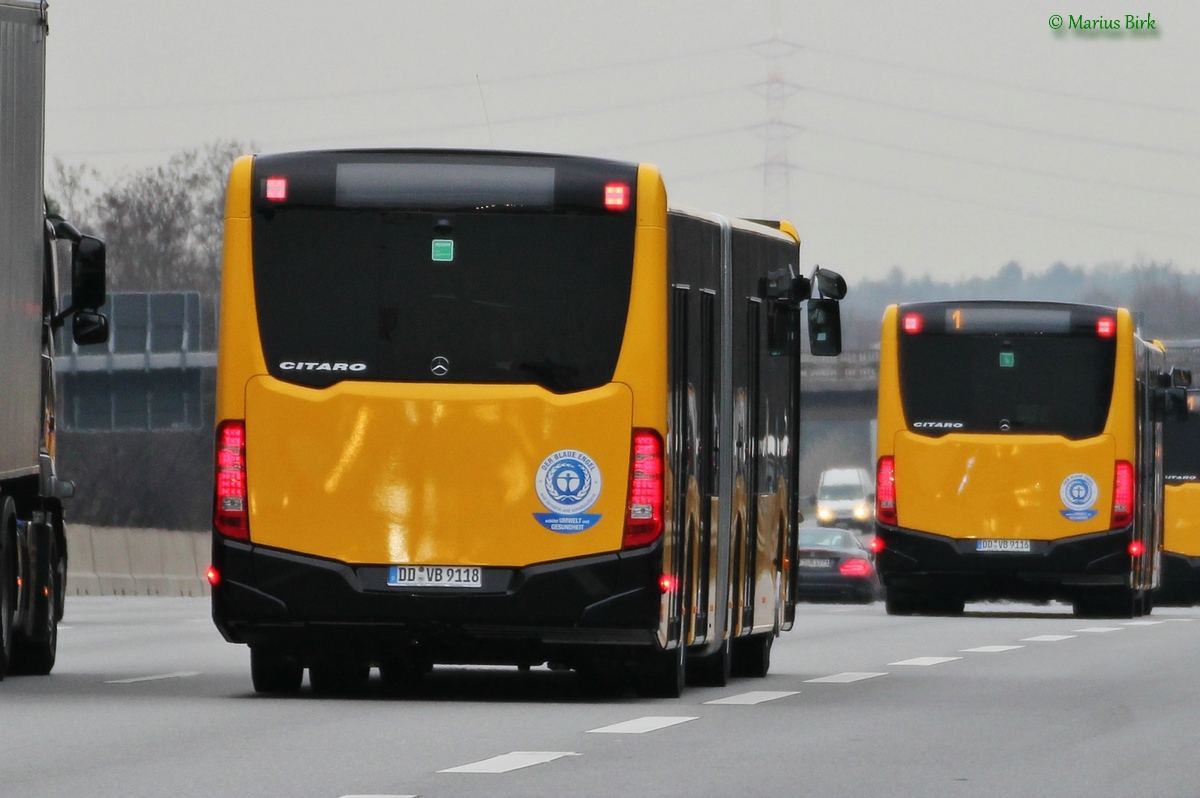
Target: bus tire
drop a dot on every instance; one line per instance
(664, 673)
(273, 673)
(1119, 603)
(403, 674)
(752, 655)
(899, 602)
(339, 676)
(35, 655)
(712, 670)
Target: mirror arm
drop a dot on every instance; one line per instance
(58, 320)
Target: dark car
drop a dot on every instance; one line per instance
(832, 565)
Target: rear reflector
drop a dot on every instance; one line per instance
(1136, 548)
(876, 545)
(230, 513)
(644, 517)
(666, 583)
(214, 576)
(885, 491)
(913, 323)
(276, 189)
(1123, 495)
(1106, 327)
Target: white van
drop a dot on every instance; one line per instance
(846, 497)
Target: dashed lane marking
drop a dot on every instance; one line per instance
(356, 795)
(844, 678)
(642, 725)
(514, 760)
(1180, 620)
(1046, 638)
(1141, 623)
(155, 678)
(990, 649)
(925, 661)
(755, 697)
(1099, 629)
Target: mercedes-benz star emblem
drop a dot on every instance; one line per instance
(440, 366)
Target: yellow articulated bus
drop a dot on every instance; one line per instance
(1019, 457)
(504, 408)
(1181, 507)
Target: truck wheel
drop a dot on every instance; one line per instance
(35, 655)
(8, 583)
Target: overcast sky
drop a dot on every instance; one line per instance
(944, 137)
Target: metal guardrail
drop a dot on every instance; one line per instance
(849, 371)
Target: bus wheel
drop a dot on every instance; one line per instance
(712, 670)
(1119, 603)
(899, 602)
(664, 673)
(403, 674)
(752, 655)
(274, 673)
(339, 676)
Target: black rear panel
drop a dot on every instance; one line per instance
(456, 267)
(1025, 368)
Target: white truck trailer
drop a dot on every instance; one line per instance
(33, 549)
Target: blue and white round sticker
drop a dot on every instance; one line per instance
(568, 484)
(1079, 493)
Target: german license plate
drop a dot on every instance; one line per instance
(435, 576)
(1002, 545)
(812, 562)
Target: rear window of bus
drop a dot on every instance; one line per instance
(453, 271)
(1052, 378)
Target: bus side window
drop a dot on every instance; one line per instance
(782, 328)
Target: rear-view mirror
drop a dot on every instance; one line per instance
(88, 273)
(89, 327)
(824, 327)
(831, 285)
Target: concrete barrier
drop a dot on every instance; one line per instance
(109, 561)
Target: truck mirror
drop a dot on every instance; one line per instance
(89, 327)
(824, 327)
(88, 274)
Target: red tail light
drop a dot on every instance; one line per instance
(644, 518)
(885, 491)
(667, 583)
(213, 575)
(855, 567)
(231, 515)
(876, 545)
(1136, 548)
(616, 196)
(1124, 495)
(1106, 327)
(913, 323)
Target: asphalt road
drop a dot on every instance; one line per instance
(1009, 700)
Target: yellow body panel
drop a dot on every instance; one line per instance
(382, 473)
(1182, 519)
(369, 472)
(989, 486)
(1002, 486)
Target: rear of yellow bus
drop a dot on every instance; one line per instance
(1007, 455)
(440, 415)
(1181, 507)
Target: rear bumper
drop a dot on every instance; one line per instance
(303, 605)
(1057, 569)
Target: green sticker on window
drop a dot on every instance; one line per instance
(443, 250)
(1007, 360)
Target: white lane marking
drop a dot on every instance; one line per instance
(356, 795)
(641, 725)
(61, 627)
(755, 697)
(990, 649)
(1099, 629)
(1046, 638)
(1123, 623)
(1181, 620)
(510, 761)
(175, 675)
(844, 678)
(924, 661)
